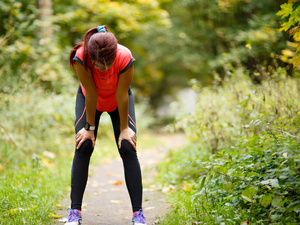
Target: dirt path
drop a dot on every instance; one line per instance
(106, 200)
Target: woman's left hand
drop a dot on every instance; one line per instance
(129, 135)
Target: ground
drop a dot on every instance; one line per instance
(106, 200)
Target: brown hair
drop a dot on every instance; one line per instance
(99, 46)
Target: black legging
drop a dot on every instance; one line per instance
(83, 154)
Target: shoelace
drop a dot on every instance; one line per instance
(73, 215)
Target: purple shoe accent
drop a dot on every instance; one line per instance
(138, 218)
(74, 216)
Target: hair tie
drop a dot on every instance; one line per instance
(101, 29)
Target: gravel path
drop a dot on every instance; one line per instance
(106, 200)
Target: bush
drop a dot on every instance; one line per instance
(254, 173)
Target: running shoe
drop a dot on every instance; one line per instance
(138, 218)
(74, 217)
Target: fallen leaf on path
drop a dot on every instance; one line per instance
(149, 208)
(52, 215)
(58, 205)
(110, 175)
(167, 189)
(119, 182)
(116, 201)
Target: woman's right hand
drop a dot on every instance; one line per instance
(84, 135)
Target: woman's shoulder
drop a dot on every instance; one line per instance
(79, 52)
(123, 51)
(124, 58)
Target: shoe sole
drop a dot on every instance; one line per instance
(79, 222)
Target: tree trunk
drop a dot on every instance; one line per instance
(45, 8)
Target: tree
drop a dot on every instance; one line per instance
(291, 10)
(206, 40)
(45, 9)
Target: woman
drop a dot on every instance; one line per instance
(105, 71)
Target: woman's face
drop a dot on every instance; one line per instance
(101, 67)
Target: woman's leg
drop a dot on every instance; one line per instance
(80, 167)
(131, 164)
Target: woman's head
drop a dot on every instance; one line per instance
(101, 46)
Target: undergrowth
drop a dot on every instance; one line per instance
(36, 146)
(242, 163)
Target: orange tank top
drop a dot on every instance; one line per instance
(107, 81)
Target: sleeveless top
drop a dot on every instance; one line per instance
(106, 82)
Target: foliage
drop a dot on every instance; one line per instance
(208, 38)
(26, 56)
(254, 174)
(36, 147)
(291, 10)
(231, 33)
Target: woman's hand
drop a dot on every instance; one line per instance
(84, 135)
(129, 135)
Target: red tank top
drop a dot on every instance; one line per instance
(107, 81)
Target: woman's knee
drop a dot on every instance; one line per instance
(85, 150)
(126, 150)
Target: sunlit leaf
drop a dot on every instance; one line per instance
(227, 187)
(248, 193)
(266, 200)
(272, 182)
(246, 199)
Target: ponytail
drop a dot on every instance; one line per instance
(103, 48)
(87, 37)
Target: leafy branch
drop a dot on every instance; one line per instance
(291, 11)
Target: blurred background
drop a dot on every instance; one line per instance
(172, 41)
(183, 49)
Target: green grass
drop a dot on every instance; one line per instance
(36, 154)
(29, 192)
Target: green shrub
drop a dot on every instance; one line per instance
(254, 173)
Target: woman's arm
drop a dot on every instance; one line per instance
(91, 95)
(122, 98)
